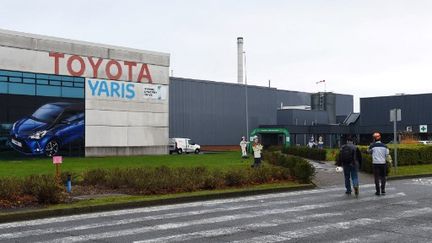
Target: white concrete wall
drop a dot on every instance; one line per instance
(114, 125)
(122, 122)
(41, 62)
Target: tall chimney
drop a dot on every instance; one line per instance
(240, 60)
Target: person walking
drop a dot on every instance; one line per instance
(257, 150)
(350, 159)
(379, 153)
(243, 145)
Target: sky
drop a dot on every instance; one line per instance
(365, 48)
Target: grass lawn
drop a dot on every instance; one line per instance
(24, 166)
(411, 170)
(331, 154)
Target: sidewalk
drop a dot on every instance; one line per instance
(327, 176)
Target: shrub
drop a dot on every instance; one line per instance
(367, 164)
(269, 173)
(45, 188)
(304, 171)
(171, 180)
(236, 177)
(410, 155)
(94, 177)
(10, 188)
(297, 167)
(214, 180)
(305, 152)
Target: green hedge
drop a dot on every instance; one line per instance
(414, 155)
(367, 164)
(305, 152)
(299, 168)
(45, 189)
(164, 179)
(41, 189)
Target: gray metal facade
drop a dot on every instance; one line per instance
(375, 112)
(213, 113)
(344, 104)
(302, 117)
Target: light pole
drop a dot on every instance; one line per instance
(246, 97)
(324, 82)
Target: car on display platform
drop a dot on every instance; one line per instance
(183, 145)
(49, 129)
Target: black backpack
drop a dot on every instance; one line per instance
(347, 155)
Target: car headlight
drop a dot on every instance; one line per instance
(13, 126)
(38, 134)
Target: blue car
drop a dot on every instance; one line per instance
(50, 128)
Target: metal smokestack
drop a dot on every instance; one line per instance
(240, 60)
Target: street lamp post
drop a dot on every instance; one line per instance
(246, 97)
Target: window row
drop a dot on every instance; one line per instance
(41, 81)
(41, 90)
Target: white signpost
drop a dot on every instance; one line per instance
(395, 116)
(423, 128)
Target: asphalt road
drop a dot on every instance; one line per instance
(321, 215)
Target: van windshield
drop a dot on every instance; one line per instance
(47, 113)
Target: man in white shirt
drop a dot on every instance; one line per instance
(243, 145)
(379, 153)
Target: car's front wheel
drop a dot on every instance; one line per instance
(52, 148)
(197, 151)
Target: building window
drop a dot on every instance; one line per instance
(29, 80)
(15, 80)
(26, 83)
(21, 89)
(72, 92)
(46, 90)
(3, 88)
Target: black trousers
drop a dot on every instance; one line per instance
(257, 162)
(380, 173)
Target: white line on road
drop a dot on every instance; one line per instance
(44, 231)
(233, 230)
(248, 215)
(167, 207)
(378, 237)
(249, 227)
(322, 229)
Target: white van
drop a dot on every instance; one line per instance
(183, 145)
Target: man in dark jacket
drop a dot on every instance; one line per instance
(350, 159)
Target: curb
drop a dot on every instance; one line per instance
(408, 177)
(45, 213)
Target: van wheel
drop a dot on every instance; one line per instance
(197, 151)
(179, 151)
(52, 148)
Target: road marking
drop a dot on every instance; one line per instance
(249, 227)
(421, 181)
(377, 237)
(322, 229)
(248, 215)
(167, 207)
(233, 230)
(28, 233)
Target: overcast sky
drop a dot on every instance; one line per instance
(365, 48)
